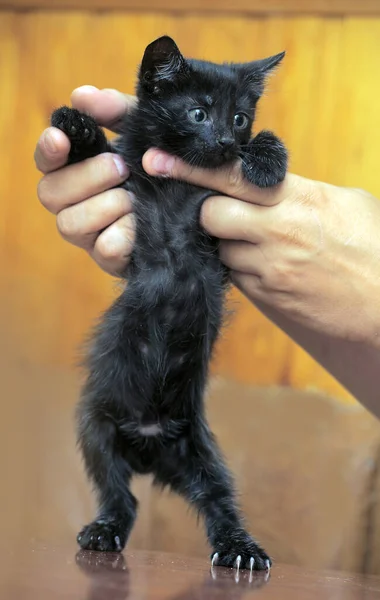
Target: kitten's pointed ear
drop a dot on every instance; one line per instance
(256, 72)
(266, 65)
(162, 61)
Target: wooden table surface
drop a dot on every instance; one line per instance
(39, 571)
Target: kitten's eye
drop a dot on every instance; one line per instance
(241, 120)
(198, 115)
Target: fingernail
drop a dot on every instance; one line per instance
(163, 164)
(120, 165)
(86, 89)
(50, 142)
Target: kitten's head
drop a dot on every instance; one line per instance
(199, 111)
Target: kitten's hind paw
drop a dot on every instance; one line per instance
(265, 160)
(242, 552)
(103, 535)
(87, 139)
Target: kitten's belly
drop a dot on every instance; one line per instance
(161, 427)
(150, 430)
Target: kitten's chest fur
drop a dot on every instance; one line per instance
(176, 272)
(167, 211)
(168, 231)
(174, 261)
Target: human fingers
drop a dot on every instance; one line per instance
(242, 256)
(52, 150)
(228, 180)
(81, 223)
(107, 106)
(80, 181)
(114, 245)
(231, 219)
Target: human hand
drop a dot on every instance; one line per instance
(91, 212)
(305, 249)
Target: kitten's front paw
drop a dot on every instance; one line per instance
(241, 551)
(86, 137)
(103, 535)
(265, 160)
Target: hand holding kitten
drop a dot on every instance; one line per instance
(91, 213)
(305, 252)
(282, 243)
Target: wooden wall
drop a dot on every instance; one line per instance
(323, 102)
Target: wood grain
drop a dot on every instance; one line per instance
(322, 102)
(258, 7)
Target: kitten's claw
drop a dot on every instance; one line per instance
(214, 560)
(240, 551)
(251, 565)
(118, 544)
(86, 133)
(73, 130)
(237, 574)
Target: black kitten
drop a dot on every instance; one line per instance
(142, 408)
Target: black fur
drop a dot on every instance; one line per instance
(148, 362)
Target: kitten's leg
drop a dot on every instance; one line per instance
(201, 476)
(265, 160)
(111, 474)
(87, 139)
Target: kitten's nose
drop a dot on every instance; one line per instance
(226, 142)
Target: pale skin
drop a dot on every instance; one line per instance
(306, 253)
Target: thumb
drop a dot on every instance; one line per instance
(228, 180)
(106, 106)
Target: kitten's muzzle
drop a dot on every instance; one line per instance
(227, 147)
(226, 143)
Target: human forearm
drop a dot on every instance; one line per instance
(355, 364)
